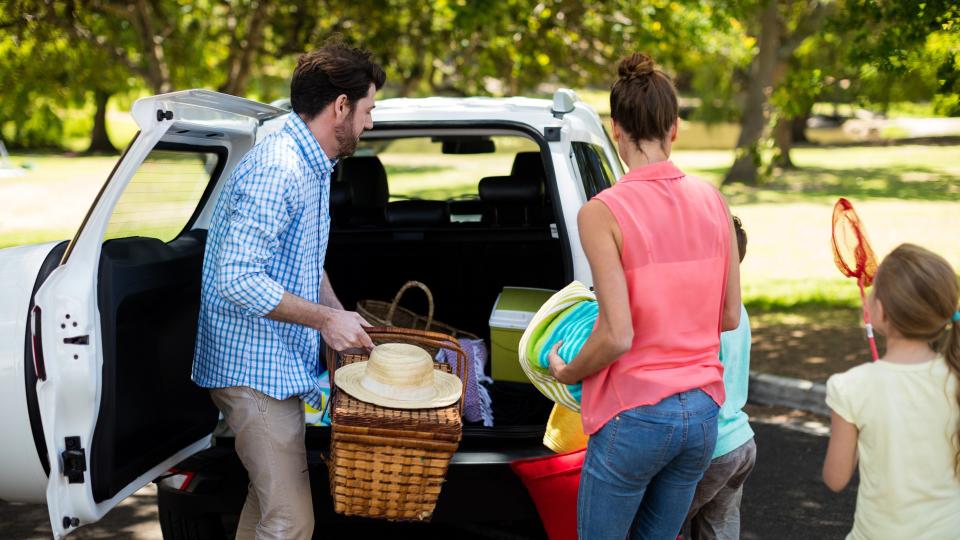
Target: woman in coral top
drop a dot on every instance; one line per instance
(663, 254)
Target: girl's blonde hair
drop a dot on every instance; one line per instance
(918, 290)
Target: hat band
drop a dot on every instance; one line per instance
(401, 393)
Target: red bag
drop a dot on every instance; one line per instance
(552, 482)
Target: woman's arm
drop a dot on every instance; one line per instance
(731, 296)
(841, 457)
(613, 334)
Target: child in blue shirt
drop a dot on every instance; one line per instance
(715, 511)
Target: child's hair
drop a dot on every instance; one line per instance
(918, 291)
(741, 237)
(643, 100)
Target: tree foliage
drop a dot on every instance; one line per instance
(764, 62)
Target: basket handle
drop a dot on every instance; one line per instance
(434, 339)
(396, 300)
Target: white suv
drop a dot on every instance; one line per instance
(97, 334)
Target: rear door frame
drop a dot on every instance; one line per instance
(70, 330)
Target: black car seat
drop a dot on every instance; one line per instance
(366, 182)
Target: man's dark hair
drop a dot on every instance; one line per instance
(741, 237)
(333, 69)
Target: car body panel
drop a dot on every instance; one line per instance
(22, 476)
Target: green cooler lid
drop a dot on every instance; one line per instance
(516, 306)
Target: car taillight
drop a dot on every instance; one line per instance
(39, 368)
(178, 479)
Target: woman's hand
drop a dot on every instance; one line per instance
(558, 368)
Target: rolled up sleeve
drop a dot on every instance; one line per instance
(260, 208)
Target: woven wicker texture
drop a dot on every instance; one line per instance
(390, 463)
(391, 314)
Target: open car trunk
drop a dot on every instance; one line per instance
(495, 232)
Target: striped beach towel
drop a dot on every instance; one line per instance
(568, 316)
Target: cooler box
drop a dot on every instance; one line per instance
(513, 311)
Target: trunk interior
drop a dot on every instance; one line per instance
(465, 250)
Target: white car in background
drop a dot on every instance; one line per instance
(97, 333)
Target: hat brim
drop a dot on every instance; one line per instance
(447, 386)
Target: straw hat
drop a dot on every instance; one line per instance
(401, 376)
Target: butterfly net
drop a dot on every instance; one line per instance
(851, 249)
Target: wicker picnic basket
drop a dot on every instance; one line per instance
(390, 463)
(381, 313)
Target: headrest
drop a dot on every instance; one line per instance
(339, 194)
(367, 180)
(509, 189)
(528, 165)
(406, 213)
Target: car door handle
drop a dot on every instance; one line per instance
(77, 340)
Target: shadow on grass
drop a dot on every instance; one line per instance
(810, 183)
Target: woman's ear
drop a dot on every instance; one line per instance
(673, 130)
(616, 130)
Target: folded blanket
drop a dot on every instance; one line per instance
(477, 405)
(568, 316)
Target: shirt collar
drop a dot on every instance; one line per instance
(661, 170)
(310, 147)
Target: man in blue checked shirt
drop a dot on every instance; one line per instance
(266, 302)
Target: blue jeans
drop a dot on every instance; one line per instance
(642, 468)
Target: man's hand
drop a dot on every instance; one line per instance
(342, 330)
(558, 368)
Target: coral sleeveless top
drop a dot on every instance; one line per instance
(676, 249)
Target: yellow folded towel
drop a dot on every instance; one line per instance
(564, 431)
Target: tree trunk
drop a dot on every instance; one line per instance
(157, 72)
(99, 140)
(759, 87)
(245, 50)
(783, 139)
(798, 128)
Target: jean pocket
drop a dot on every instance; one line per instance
(709, 428)
(638, 446)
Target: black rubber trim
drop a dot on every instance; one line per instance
(51, 261)
(551, 179)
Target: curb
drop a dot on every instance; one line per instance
(766, 389)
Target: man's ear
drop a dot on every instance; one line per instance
(341, 108)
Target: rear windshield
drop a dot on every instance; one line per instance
(418, 168)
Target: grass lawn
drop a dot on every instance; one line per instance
(903, 194)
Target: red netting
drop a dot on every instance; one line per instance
(851, 249)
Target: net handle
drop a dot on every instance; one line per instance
(866, 320)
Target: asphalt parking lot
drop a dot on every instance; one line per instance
(784, 499)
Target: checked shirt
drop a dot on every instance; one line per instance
(268, 234)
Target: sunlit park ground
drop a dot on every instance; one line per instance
(903, 193)
(805, 317)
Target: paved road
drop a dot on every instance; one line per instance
(784, 499)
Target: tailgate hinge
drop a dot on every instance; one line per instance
(74, 460)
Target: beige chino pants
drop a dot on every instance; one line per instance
(270, 442)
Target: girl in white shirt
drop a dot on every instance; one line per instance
(900, 416)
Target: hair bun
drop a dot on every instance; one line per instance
(634, 66)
